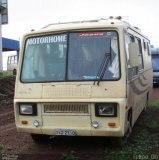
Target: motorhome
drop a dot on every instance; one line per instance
(84, 78)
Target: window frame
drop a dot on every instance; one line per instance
(139, 42)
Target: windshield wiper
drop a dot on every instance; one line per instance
(103, 67)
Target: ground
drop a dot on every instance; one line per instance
(143, 143)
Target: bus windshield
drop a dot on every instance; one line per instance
(155, 63)
(70, 57)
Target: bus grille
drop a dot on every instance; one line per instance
(66, 108)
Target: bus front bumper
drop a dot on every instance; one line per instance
(82, 131)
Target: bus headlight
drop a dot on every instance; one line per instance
(106, 109)
(28, 109)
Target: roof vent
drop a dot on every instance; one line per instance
(117, 17)
(138, 29)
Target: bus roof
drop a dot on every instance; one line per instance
(96, 23)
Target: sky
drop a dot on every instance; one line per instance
(25, 15)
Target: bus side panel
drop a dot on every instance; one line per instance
(139, 88)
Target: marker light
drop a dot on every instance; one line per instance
(95, 124)
(36, 123)
(24, 122)
(111, 124)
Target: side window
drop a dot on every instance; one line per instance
(8, 60)
(148, 48)
(145, 46)
(132, 71)
(12, 60)
(140, 56)
(132, 38)
(15, 59)
(127, 41)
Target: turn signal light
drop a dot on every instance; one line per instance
(111, 124)
(24, 122)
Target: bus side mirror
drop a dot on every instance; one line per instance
(133, 54)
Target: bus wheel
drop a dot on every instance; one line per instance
(40, 138)
(122, 141)
(129, 130)
(146, 104)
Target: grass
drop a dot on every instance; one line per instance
(1, 147)
(70, 156)
(142, 145)
(154, 104)
(145, 143)
(3, 74)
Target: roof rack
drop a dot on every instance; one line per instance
(85, 21)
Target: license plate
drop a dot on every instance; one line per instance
(65, 132)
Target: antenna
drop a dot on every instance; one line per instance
(119, 17)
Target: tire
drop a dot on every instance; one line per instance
(122, 141)
(40, 138)
(146, 104)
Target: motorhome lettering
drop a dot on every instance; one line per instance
(46, 39)
(89, 78)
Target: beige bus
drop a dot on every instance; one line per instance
(85, 78)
